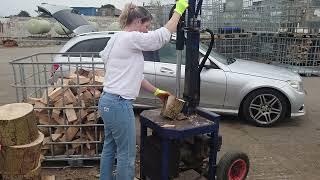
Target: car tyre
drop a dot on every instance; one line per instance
(265, 107)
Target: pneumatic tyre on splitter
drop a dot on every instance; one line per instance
(265, 107)
(233, 166)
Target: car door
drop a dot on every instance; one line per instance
(147, 98)
(83, 54)
(67, 17)
(213, 79)
(213, 86)
(166, 70)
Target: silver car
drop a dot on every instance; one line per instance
(261, 93)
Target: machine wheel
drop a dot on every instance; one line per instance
(265, 107)
(233, 166)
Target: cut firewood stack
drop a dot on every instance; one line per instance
(21, 142)
(65, 110)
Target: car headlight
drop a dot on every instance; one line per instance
(297, 85)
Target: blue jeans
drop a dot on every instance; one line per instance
(120, 137)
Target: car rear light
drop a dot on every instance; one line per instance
(55, 67)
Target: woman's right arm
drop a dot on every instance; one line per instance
(181, 6)
(154, 40)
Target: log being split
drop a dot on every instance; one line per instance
(18, 124)
(20, 160)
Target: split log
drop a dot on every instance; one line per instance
(55, 137)
(98, 80)
(56, 94)
(45, 95)
(93, 116)
(48, 178)
(82, 80)
(60, 121)
(57, 149)
(70, 134)
(82, 113)
(44, 130)
(96, 73)
(18, 124)
(21, 159)
(89, 152)
(76, 145)
(32, 100)
(89, 135)
(70, 151)
(45, 120)
(58, 103)
(71, 113)
(76, 89)
(55, 114)
(69, 98)
(39, 106)
(82, 72)
(62, 82)
(59, 130)
(95, 92)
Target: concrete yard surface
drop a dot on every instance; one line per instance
(288, 151)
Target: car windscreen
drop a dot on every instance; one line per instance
(215, 55)
(70, 19)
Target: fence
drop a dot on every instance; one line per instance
(281, 32)
(65, 97)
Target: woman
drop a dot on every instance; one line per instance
(123, 78)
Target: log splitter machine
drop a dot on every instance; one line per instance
(192, 143)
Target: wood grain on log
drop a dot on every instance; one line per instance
(32, 175)
(21, 159)
(18, 124)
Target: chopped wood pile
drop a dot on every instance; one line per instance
(67, 114)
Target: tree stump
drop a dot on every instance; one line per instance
(18, 124)
(34, 174)
(21, 159)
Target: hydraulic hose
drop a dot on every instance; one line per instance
(208, 51)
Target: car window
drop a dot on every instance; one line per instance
(168, 53)
(215, 55)
(151, 56)
(90, 45)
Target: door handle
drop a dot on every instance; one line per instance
(166, 70)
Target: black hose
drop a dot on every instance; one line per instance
(208, 51)
(198, 11)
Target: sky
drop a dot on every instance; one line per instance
(13, 7)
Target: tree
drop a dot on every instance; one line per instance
(23, 14)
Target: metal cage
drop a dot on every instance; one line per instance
(57, 89)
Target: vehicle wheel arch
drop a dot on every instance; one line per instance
(260, 88)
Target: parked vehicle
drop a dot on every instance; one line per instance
(263, 94)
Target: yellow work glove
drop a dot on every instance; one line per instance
(162, 95)
(181, 6)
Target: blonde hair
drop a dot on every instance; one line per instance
(132, 12)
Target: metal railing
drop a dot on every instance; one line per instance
(36, 77)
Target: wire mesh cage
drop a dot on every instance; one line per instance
(64, 89)
(280, 32)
